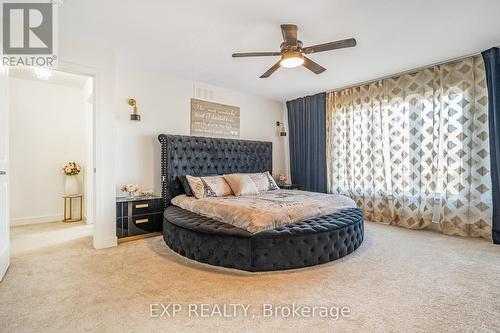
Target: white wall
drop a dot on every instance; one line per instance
(45, 132)
(164, 103)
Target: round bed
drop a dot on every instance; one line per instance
(307, 243)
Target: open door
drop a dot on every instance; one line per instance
(4, 176)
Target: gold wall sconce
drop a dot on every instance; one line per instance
(135, 114)
(282, 129)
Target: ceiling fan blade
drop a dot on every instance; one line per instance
(256, 54)
(312, 66)
(289, 32)
(270, 70)
(340, 44)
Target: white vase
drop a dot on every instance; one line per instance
(71, 185)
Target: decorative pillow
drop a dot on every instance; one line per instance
(212, 186)
(264, 181)
(185, 186)
(241, 184)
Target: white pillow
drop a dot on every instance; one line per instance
(241, 184)
(264, 181)
(212, 186)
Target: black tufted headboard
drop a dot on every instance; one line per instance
(200, 156)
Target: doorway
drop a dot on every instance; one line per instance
(51, 125)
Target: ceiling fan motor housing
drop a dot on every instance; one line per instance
(293, 54)
(289, 47)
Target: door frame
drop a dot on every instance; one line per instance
(89, 160)
(100, 64)
(91, 203)
(103, 191)
(5, 248)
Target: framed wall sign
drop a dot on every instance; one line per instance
(214, 120)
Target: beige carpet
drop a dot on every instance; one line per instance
(398, 281)
(33, 237)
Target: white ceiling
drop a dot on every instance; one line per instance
(194, 39)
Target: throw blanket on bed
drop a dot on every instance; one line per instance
(268, 210)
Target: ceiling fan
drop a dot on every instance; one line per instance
(293, 54)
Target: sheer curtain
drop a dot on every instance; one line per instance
(414, 149)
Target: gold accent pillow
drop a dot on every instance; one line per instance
(264, 181)
(241, 184)
(212, 186)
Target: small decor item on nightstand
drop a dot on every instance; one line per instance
(131, 189)
(147, 193)
(281, 179)
(71, 171)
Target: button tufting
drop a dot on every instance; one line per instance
(305, 243)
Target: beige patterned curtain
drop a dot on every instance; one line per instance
(414, 149)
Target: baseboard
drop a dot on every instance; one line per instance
(103, 243)
(36, 219)
(143, 236)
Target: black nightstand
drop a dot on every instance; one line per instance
(138, 216)
(288, 186)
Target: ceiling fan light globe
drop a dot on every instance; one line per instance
(292, 59)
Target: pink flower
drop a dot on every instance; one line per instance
(130, 188)
(281, 178)
(71, 169)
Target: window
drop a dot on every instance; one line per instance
(414, 148)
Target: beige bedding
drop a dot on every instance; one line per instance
(266, 210)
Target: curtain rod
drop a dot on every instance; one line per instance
(406, 72)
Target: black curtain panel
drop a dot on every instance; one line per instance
(492, 62)
(307, 128)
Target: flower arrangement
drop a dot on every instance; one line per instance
(130, 188)
(71, 169)
(281, 179)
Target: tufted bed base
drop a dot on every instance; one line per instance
(307, 243)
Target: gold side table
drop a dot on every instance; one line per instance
(70, 198)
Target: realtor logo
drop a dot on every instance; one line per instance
(28, 33)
